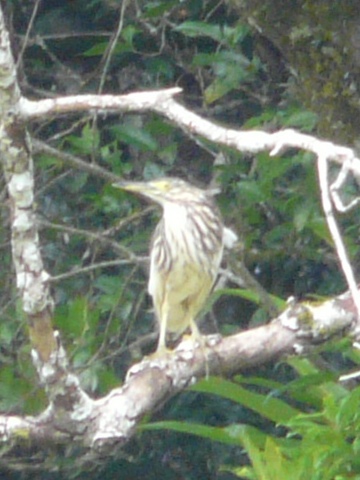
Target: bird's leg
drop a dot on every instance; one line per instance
(162, 317)
(161, 348)
(197, 337)
(195, 332)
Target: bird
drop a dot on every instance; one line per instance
(185, 253)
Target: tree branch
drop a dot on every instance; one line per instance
(72, 414)
(162, 102)
(101, 424)
(31, 278)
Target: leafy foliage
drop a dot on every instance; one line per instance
(318, 439)
(95, 238)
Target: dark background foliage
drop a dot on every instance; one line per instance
(234, 73)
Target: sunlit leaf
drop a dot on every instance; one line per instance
(133, 136)
(270, 407)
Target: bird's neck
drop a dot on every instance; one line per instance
(175, 217)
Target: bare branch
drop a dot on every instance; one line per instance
(162, 102)
(72, 414)
(97, 424)
(74, 161)
(112, 44)
(334, 230)
(95, 266)
(94, 237)
(25, 39)
(336, 186)
(31, 278)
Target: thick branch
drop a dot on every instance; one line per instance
(102, 423)
(162, 102)
(71, 414)
(31, 278)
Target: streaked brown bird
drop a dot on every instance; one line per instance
(185, 253)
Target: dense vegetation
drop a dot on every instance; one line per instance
(291, 420)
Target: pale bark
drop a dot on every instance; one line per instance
(111, 420)
(71, 414)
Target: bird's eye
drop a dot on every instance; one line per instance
(163, 185)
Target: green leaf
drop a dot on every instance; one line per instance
(201, 29)
(250, 295)
(153, 170)
(230, 70)
(260, 382)
(125, 43)
(302, 119)
(251, 191)
(233, 435)
(96, 50)
(8, 332)
(328, 387)
(77, 317)
(107, 379)
(319, 227)
(218, 88)
(272, 408)
(302, 215)
(231, 36)
(128, 33)
(213, 433)
(13, 389)
(76, 182)
(88, 142)
(157, 9)
(162, 67)
(348, 413)
(308, 388)
(137, 137)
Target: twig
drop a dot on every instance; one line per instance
(113, 41)
(76, 162)
(95, 266)
(334, 230)
(162, 102)
(94, 236)
(336, 186)
(27, 34)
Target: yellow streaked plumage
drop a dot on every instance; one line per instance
(185, 254)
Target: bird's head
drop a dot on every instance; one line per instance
(163, 190)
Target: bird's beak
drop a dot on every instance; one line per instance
(143, 188)
(129, 186)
